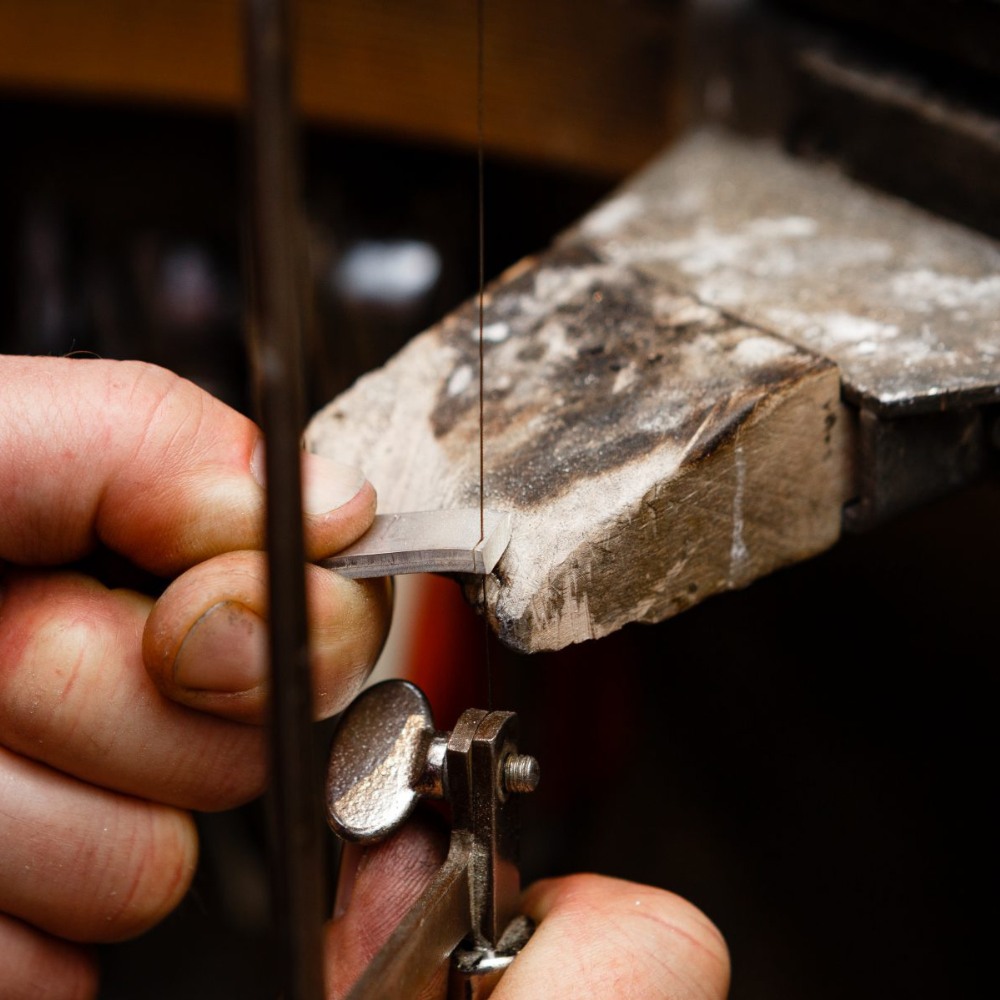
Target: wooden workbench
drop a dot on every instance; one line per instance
(585, 86)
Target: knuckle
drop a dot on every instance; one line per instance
(670, 941)
(238, 774)
(50, 635)
(168, 411)
(145, 876)
(74, 695)
(38, 967)
(674, 928)
(84, 863)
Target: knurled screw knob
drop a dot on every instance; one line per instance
(520, 773)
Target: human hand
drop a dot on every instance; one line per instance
(596, 938)
(117, 713)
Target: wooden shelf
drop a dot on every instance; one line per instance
(578, 85)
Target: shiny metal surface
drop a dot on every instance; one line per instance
(379, 765)
(476, 972)
(385, 756)
(520, 773)
(495, 882)
(429, 541)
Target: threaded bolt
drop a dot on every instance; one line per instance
(520, 773)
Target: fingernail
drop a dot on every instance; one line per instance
(225, 651)
(350, 858)
(327, 485)
(258, 469)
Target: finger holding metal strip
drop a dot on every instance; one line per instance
(596, 938)
(594, 935)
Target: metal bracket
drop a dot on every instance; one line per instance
(386, 755)
(907, 461)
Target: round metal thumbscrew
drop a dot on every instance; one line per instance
(378, 761)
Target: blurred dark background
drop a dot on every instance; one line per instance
(122, 238)
(809, 760)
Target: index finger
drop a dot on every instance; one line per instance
(596, 937)
(602, 937)
(134, 457)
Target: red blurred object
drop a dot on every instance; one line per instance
(447, 657)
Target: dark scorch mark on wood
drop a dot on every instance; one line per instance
(589, 366)
(652, 450)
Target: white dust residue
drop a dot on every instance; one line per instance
(558, 286)
(834, 331)
(566, 522)
(366, 427)
(738, 552)
(608, 218)
(682, 310)
(460, 380)
(761, 246)
(925, 291)
(846, 328)
(756, 351)
(624, 378)
(787, 226)
(557, 345)
(493, 333)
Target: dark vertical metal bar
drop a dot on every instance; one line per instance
(481, 198)
(277, 362)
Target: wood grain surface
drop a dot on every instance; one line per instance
(905, 303)
(652, 450)
(663, 412)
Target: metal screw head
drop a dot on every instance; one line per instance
(378, 761)
(521, 773)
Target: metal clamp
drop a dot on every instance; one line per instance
(387, 755)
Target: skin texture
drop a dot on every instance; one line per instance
(597, 938)
(119, 712)
(105, 742)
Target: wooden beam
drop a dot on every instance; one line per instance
(652, 451)
(582, 85)
(663, 412)
(906, 304)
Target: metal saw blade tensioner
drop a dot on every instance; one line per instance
(386, 756)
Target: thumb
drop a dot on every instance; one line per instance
(377, 886)
(133, 457)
